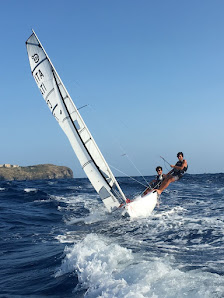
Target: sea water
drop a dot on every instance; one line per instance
(57, 240)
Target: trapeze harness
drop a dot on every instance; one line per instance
(179, 173)
(158, 182)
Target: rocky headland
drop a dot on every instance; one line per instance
(36, 172)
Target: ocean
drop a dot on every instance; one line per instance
(57, 240)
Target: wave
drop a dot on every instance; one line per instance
(105, 269)
(58, 240)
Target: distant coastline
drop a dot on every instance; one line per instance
(36, 172)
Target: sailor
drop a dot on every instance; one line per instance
(175, 174)
(155, 184)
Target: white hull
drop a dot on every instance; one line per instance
(142, 206)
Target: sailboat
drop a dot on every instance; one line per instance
(68, 117)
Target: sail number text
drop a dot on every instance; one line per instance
(38, 76)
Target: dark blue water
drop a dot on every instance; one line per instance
(57, 240)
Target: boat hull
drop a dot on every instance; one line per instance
(142, 206)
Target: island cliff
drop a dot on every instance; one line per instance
(36, 172)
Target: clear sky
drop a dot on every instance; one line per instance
(151, 72)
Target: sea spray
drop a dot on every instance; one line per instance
(106, 269)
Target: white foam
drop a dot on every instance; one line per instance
(173, 211)
(30, 190)
(89, 219)
(52, 182)
(2, 188)
(69, 237)
(75, 187)
(106, 269)
(97, 211)
(221, 189)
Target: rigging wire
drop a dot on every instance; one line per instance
(147, 183)
(83, 107)
(135, 167)
(165, 161)
(128, 176)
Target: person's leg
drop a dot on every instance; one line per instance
(146, 191)
(165, 184)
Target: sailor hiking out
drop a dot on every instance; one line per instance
(179, 169)
(156, 183)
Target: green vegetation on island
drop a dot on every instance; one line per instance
(36, 172)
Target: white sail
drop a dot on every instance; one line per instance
(68, 117)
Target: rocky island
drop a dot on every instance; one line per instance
(36, 172)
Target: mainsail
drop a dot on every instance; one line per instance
(65, 112)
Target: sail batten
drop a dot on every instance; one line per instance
(38, 65)
(67, 115)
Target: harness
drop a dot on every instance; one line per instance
(179, 173)
(158, 182)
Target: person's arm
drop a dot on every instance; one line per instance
(149, 187)
(170, 172)
(153, 181)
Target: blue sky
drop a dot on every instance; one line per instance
(151, 72)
